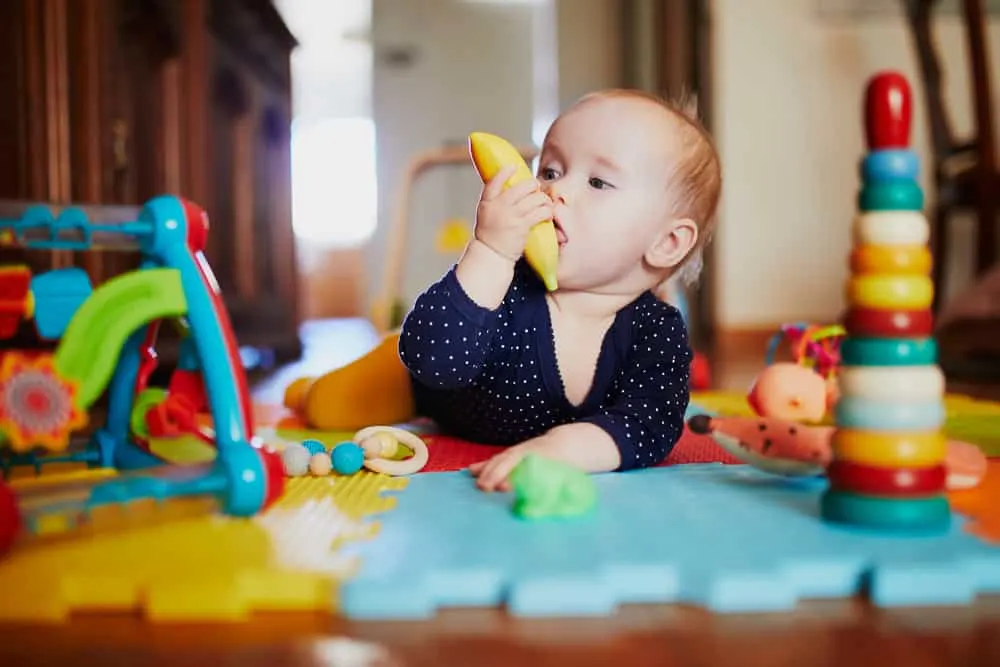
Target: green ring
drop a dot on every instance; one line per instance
(924, 515)
(888, 351)
(898, 196)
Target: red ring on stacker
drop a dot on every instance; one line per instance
(877, 322)
(877, 481)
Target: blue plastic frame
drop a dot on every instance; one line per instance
(238, 477)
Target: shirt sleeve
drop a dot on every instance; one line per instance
(445, 340)
(645, 412)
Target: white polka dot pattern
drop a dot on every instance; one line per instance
(492, 376)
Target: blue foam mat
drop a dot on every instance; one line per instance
(725, 537)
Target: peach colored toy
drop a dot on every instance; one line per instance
(786, 390)
(777, 446)
(790, 449)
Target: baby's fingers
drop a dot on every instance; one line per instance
(531, 202)
(495, 474)
(516, 194)
(494, 187)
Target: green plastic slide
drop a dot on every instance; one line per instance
(89, 350)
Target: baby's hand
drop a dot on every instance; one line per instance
(492, 474)
(504, 217)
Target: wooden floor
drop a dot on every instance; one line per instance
(842, 633)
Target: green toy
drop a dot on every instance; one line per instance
(545, 489)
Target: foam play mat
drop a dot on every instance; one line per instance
(203, 567)
(369, 546)
(724, 537)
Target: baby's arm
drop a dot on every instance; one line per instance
(639, 425)
(445, 340)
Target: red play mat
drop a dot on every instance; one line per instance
(447, 453)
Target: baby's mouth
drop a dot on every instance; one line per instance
(560, 234)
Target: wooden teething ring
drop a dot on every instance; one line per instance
(389, 466)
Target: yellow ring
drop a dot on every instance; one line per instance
(891, 260)
(889, 449)
(890, 292)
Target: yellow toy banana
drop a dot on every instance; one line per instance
(490, 154)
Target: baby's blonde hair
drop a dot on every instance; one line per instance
(697, 179)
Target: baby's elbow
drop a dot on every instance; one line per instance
(431, 373)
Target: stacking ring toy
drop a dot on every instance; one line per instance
(907, 228)
(860, 413)
(890, 165)
(896, 383)
(892, 449)
(883, 323)
(875, 481)
(891, 260)
(905, 514)
(882, 291)
(888, 351)
(383, 441)
(894, 196)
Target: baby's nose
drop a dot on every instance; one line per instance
(556, 194)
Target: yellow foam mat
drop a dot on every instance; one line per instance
(202, 568)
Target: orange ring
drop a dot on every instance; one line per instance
(894, 260)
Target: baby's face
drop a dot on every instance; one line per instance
(606, 164)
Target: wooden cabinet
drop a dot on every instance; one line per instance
(112, 102)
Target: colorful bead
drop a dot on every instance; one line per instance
(319, 464)
(891, 260)
(857, 413)
(295, 458)
(890, 449)
(892, 383)
(881, 322)
(314, 446)
(348, 458)
(896, 196)
(879, 481)
(888, 351)
(902, 292)
(891, 228)
(890, 164)
(918, 515)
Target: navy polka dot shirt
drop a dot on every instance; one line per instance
(491, 376)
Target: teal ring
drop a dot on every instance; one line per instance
(898, 196)
(888, 351)
(919, 515)
(868, 415)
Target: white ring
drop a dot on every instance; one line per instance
(891, 228)
(892, 383)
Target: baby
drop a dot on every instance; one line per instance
(594, 374)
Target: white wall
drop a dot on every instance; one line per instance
(788, 93)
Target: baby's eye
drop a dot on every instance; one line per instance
(547, 173)
(599, 184)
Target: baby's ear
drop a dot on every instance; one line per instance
(671, 247)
